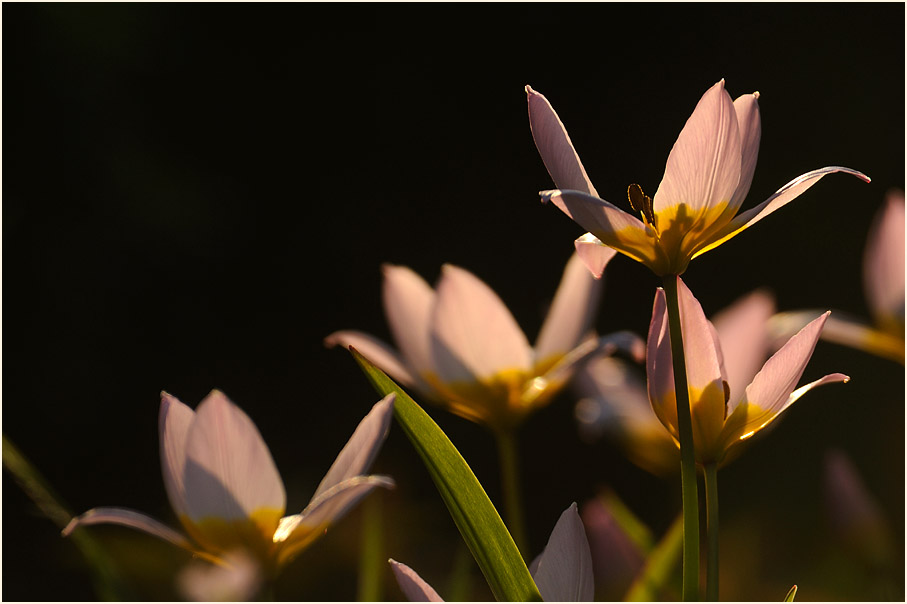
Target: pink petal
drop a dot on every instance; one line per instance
(594, 254)
(659, 366)
(475, 336)
(703, 168)
(174, 421)
(750, 125)
(132, 519)
(360, 451)
(229, 474)
(572, 312)
(745, 339)
(408, 301)
(379, 353)
(780, 198)
(413, 586)
(554, 146)
(883, 261)
(564, 569)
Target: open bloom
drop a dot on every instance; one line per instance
(883, 285)
(723, 414)
(615, 400)
(562, 572)
(707, 177)
(461, 347)
(226, 492)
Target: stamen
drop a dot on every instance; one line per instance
(642, 203)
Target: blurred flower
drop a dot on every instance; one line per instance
(562, 572)
(707, 177)
(883, 284)
(723, 413)
(618, 550)
(615, 402)
(238, 579)
(226, 491)
(461, 347)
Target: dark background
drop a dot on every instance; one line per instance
(195, 195)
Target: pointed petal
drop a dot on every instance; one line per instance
(376, 351)
(475, 336)
(572, 312)
(611, 225)
(132, 519)
(413, 586)
(660, 367)
(174, 420)
(750, 125)
(745, 340)
(408, 301)
(841, 329)
(298, 531)
(594, 254)
(555, 147)
(773, 385)
(564, 572)
(883, 262)
(362, 448)
(780, 198)
(703, 168)
(230, 474)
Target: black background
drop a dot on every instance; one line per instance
(195, 195)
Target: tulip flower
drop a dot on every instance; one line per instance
(883, 285)
(224, 487)
(694, 210)
(724, 413)
(460, 346)
(562, 572)
(615, 402)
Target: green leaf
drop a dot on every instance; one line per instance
(791, 594)
(663, 560)
(469, 506)
(107, 580)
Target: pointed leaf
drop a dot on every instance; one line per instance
(791, 594)
(473, 513)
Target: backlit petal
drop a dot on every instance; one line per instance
(745, 340)
(408, 301)
(572, 311)
(413, 586)
(750, 125)
(659, 366)
(174, 420)
(132, 519)
(781, 197)
(376, 351)
(362, 448)
(883, 262)
(594, 254)
(564, 571)
(229, 473)
(703, 168)
(474, 334)
(555, 147)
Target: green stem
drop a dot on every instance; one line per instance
(510, 480)
(687, 454)
(711, 506)
(372, 559)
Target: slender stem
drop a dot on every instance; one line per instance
(372, 559)
(711, 506)
(687, 454)
(510, 480)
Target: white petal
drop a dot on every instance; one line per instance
(237, 579)
(883, 264)
(408, 301)
(750, 124)
(378, 352)
(703, 168)
(594, 254)
(572, 312)
(564, 572)
(362, 448)
(474, 335)
(745, 340)
(555, 147)
(132, 519)
(174, 420)
(229, 471)
(413, 586)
